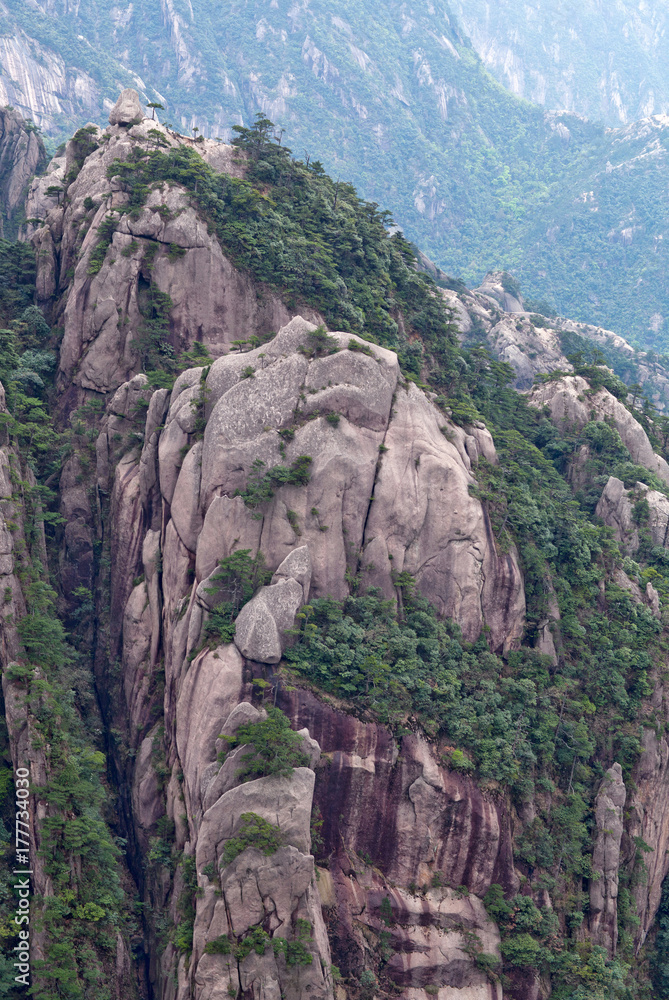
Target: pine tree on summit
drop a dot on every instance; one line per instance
(260, 139)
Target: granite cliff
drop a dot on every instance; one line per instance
(380, 695)
(22, 155)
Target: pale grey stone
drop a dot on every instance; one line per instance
(296, 566)
(185, 506)
(571, 403)
(609, 806)
(262, 623)
(127, 109)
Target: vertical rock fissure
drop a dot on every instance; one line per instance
(371, 499)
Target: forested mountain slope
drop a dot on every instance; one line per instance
(607, 61)
(394, 99)
(339, 664)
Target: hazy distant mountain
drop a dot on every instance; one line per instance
(606, 60)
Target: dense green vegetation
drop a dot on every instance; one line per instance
(79, 855)
(234, 583)
(254, 831)
(295, 229)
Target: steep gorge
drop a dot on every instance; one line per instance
(443, 716)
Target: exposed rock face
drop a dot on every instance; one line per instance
(127, 110)
(411, 504)
(428, 525)
(428, 934)
(414, 822)
(571, 403)
(22, 155)
(609, 806)
(264, 621)
(102, 313)
(37, 80)
(648, 805)
(533, 344)
(493, 287)
(174, 507)
(616, 509)
(257, 889)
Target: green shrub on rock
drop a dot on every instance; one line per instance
(254, 831)
(275, 748)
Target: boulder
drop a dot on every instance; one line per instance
(127, 110)
(296, 566)
(242, 715)
(262, 623)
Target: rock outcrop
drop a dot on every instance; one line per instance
(617, 510)
(609, 806)
(127, 110)
(102, 312)
(386, 475)
(572, 404)
(22, 155)
(648, 806)
(386, 489)
(275, 890)
(534, 344)
(317, 459)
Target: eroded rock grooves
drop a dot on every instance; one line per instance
(446, 546)
(388, 491)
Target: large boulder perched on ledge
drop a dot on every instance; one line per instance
(127, 110)
(262, 623)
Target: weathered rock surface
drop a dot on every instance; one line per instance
(275, 890)
(413, 822)
(412, 504)
(22, 155)
(648, 806)
(423, 521)
(533, 344)
(175, 516)
(102, 313)
(262, 623)
(616, 509)
(127, 110)
(571, 403)
(609, 806)
(388, 490)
